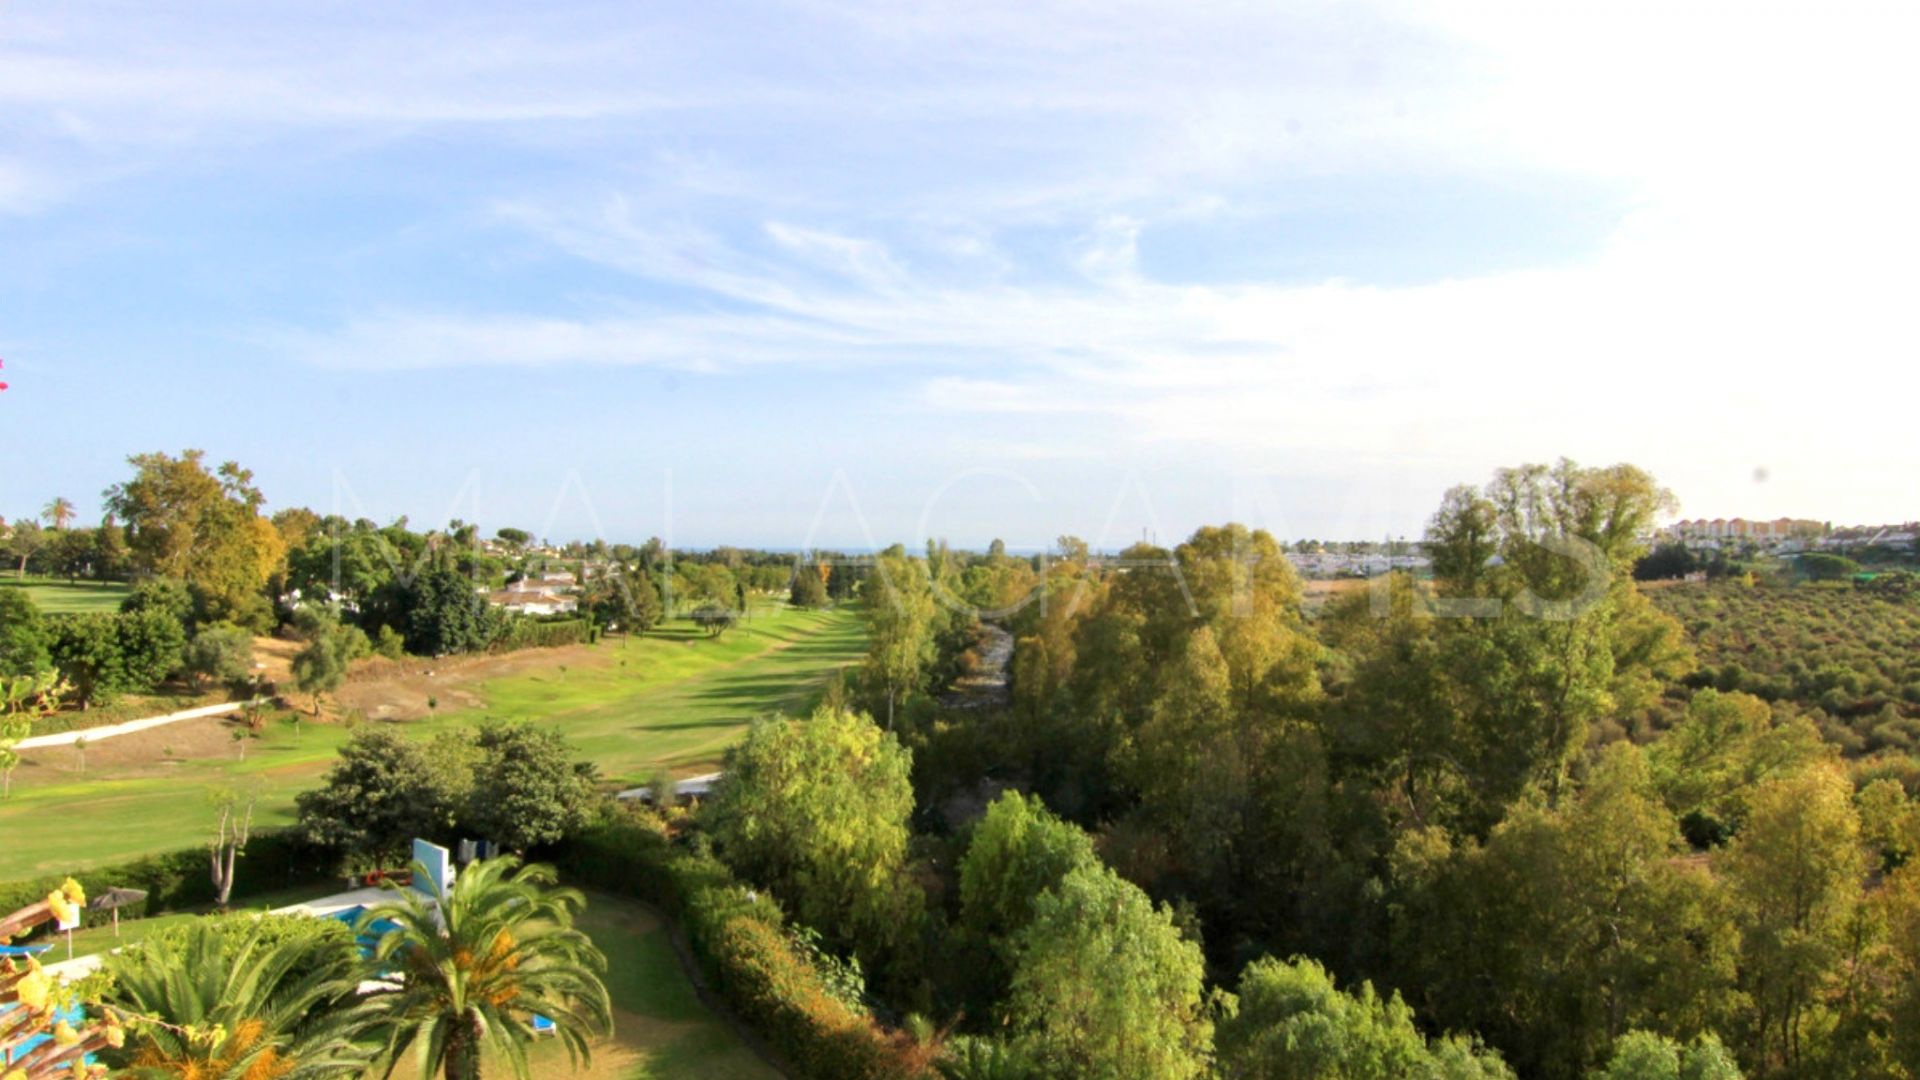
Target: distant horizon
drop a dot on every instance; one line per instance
(1257, 498)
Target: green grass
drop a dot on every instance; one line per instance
(56, 596)
(659, 1022)
(674, 698)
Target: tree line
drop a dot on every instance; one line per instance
(1434, 833)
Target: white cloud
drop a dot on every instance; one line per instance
(846, 182)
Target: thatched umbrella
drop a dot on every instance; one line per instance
(115, 899)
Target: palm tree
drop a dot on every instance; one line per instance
(473, 966)
(218, 1000)
(58, 513)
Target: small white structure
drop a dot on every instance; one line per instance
(693, 787)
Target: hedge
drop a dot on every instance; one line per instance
(741, 941)
(544, 634)
(181, 879)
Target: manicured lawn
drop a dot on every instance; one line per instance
(55, 595)
(661, 1029)
(674, 698)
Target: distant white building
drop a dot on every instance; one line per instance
(533, 601)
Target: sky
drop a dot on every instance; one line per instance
(846, 273)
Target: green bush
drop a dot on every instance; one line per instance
(760, 965)
(541, 634)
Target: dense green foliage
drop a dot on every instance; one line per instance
(245, 996)
(1848, 658)
(817, 810)
(526, 790)
(104, 655)
(1105, 986)
(1291, 1022)
(1435, 789)
(23, 634)
(516, 784)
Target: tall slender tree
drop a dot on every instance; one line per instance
(58, 513)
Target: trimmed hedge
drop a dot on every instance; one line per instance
(742, 944)
(182, 879)
(543, 634)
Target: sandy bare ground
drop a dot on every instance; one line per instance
(381, 689)
(385, 689)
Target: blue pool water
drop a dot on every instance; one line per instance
(373, 933)
(71, 1014)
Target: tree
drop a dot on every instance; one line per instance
(26, 542)
(12, 731)
(816, 810)
(1643, 1055)
(230, 835)
(1105, 987)
(1796, 872)
(1019, 850)
(203, 528)
(900, 611)
(381, 792)
(1899, 904)
(623, 599)
(320, 667)
(527, 789)
(86, 649)
(151, 646)
(242, 997)
(23, 698)
(1822, 566)
(478, 962)
(714, 619)
(220, 654)
(58, 513)
(1293, 1023)
(23, 634)
(1666, 562)
(74, 553)
(168, 595)
(514, 538)
(1567, 927)
(441, 614)
(808, 589)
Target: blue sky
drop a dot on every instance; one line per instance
(825, 272)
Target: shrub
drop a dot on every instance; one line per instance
(765, 970)
(525, 633)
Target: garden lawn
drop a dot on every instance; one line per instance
(661, 1030)
(672, 699)
(56, 596)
